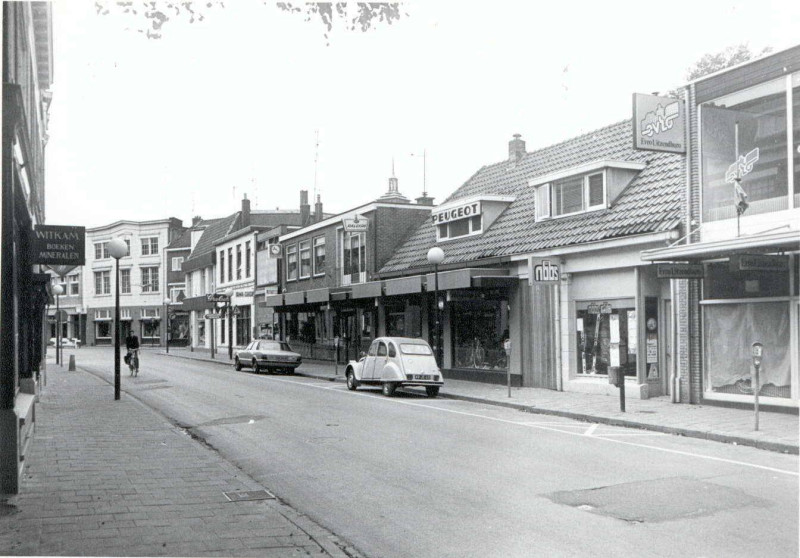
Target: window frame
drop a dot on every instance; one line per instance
(102, 248)
(314, 245)
(147, 286)
(548, 192)
(304, 246)
(178, 260)
(291, 250)
(470, 224)
(122, 283)
(151, 242)
(104, 276)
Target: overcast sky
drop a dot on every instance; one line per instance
(185, 125)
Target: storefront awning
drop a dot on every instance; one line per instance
(785, 241)
(290, 299)
(274, 300)
(403, 285)
(318, 295)
(465, 278)
(372, 289)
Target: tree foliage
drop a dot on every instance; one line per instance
(149, 18)
(714, 62)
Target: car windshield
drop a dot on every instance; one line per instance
(415, 349)
(273, 346)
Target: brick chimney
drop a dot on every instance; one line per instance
(318, 210)
(424, 199)
(516, 148)
(245, 212)
(305, 209)
(196, 220)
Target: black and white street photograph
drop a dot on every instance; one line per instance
(400, 279)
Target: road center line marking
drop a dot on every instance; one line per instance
(540, 427)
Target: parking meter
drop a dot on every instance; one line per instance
(758, 353)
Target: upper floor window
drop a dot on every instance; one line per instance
(222, 266)
(458, 219)
(460, 227)
(149, 279)
(305, 259)
(749, 138)
(150, 246)
(125, 281)
(238, 261)
(247, 259)
(176, 263)
(571, 195)
(101, 250)
(102, 282)
(230, 264)
(291, 262)
(74, 284)
(319, 255)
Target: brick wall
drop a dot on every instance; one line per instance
(395, 225)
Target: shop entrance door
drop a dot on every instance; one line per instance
(350, 341)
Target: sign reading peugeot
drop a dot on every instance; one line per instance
(455, 212)
(658, 123)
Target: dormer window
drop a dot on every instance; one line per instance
(572, 195)
(467, 217)
(459, 228)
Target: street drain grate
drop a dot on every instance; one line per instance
(249, 495)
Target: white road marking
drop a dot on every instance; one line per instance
(550, 429)
(591, 429)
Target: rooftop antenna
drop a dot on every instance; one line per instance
(316, 161)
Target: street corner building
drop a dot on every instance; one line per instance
(24, 293)
(743, 201)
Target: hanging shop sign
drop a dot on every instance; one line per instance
(59, 245)
(456, 212)
(680, 271)
(275, 251)
(355, 224)
(218, 297)
(212, 316)
(658, 123)
(543, 271)
(758, 262)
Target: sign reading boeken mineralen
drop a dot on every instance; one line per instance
(59, 245)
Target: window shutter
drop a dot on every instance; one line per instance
(543, 202)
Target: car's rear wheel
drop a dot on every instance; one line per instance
(256, 368)
(237, 365)
(352, 383)
(432, 391)
(388, 388)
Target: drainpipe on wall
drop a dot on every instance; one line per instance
(674, 372)
(557, 324)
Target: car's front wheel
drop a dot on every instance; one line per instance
(432, 391)
(388, 388)
(237, 365)
(352, 383)
(256, 368)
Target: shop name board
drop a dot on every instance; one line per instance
(759, 262)
(355, 225)
(59, 245)
(212, 316)
(543, 271)
(680, 271)
(595, 308)
(457, 212)
(218, 297)
(243, 293)
(658, 124)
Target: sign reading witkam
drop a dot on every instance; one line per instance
(59, 245)
(456, 212)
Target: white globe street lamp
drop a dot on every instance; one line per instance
(117, 248)
(435, 257)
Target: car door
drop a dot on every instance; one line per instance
(246, 354)
(369, 361)
(381, 358)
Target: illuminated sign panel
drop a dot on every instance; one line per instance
(658, 123)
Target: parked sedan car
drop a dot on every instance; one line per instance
(392, 362)
(70, 343)
(264, 354)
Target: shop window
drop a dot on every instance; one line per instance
(729, 330)
(604, 339)
(291, 262)
(723, 281)
(478, 330)
(243, 326)
(305, 259)
(103, 329)
(151, 330)
(744, 135)
(201, 333)
(395, 321)
(319, 255)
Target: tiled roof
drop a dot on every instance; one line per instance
(215, 229)
(651, 203)
(183, 241)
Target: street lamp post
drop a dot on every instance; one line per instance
(435, 257)
(117, 248)
(167, 302)
(58, 290)
(229, 313)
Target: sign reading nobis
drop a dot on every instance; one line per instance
(59, 245)
(543, 271)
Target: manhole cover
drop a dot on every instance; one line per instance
(657, 500)
(246, 496)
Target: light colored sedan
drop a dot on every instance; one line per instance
(263, 354)
(392, 362)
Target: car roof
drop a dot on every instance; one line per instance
(417, 340)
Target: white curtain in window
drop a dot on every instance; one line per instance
(729, 332)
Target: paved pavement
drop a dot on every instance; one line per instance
(777, 431)
(114, 478)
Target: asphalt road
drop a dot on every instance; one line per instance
(410, 476)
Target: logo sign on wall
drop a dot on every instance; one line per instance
(355, 224)
(275, 251)
(543, 271)
(59, 245)
(456, 212)
(658, 123)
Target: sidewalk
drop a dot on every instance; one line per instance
(114, 478)
(777, 431)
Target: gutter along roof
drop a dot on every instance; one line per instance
(651, 203)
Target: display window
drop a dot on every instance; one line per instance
(243, 326)
(606, 337)
(479, 329)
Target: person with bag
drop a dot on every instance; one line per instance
(132, 357)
